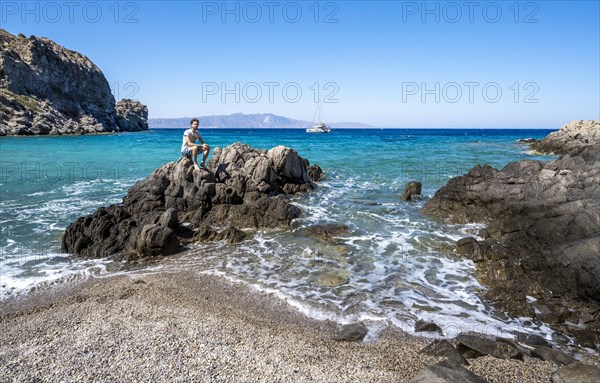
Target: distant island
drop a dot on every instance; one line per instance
(240, 120)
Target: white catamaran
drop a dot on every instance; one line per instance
(320, 127)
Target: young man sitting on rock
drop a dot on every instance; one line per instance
(190, 149)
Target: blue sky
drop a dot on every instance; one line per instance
(387, 63)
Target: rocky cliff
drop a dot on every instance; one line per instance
(542, 238)
(48, 89)
(246, 189)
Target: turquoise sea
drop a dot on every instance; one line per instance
(396, 261)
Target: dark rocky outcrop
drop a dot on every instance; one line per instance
(577, 373)
(353, 332)
(48, 89)
(446, 372)
(443, 348)
(424, 326)
(543, 228)
(555, 356)
(470, 248)
(247, 190)
(412, 191)
(476, 345)
(210, 234)
(132, 116)
(315, 173)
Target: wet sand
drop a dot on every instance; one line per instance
(184, 326)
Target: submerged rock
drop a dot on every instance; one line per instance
(333, 278)
(248, 190)
(328, 231)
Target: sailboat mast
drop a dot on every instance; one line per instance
(317, 112)
(319, 109)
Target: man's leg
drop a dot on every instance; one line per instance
(195, 154)
(188, 154)
(205, 155)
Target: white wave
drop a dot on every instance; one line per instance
(21, 275)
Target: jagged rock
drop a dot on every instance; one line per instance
(132, 116)
(550, 355)
(327, 232)
(548, 312)
(476, 345)
(156, 240)
(577, 373)
(354, 332)
(586, 337)
(446, 372)
(246, 191)
(315, 173)
(424, 326)
(572, 138)
(169, 219)
(441, 347)
(510, 297)
(231, 234)
(412, 191)
(531, 340)
(543, 226)
(470, 248)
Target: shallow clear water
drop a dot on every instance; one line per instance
(396, 261)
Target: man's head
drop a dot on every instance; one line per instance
(194, 123)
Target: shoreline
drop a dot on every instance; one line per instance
(281, 128)
(189, 326)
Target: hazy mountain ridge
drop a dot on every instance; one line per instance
(240, 120)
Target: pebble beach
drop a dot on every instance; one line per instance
(183, 327)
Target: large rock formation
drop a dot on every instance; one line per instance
(571, 138)
(543, 228)
(248, 190)
(132, 116)
(48, 89)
